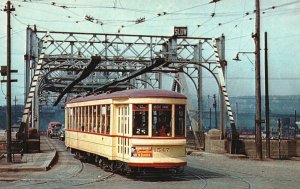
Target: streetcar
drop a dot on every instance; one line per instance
(129, 131)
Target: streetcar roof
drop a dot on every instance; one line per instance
(132, 93)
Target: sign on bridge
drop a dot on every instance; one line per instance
(180, 31)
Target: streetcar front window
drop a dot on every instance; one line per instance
(140, 119)
(161, 120)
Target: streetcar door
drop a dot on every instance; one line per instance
(123, 131)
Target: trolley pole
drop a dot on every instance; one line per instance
(8, 9)
(267, 98)
(257, 83)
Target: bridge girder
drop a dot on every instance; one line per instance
(70, 52)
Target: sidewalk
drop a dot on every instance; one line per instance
(32, 162)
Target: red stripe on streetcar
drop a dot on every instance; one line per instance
(157, 165)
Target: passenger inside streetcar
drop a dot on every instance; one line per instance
(162, 127)
(162, 131)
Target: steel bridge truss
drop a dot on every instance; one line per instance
(68, 53)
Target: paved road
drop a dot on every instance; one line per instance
(223, 172)
(204, 170)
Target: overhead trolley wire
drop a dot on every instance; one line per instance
(142, 19)
(164, 13)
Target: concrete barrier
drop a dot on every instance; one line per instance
(286, 148)
(213, 142)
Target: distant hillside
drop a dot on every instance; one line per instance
(243, 107)
(243, 110)
(47, 114)
(16, 115)
(246, 104)
(284, 105)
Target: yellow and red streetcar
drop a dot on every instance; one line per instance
(130, 131)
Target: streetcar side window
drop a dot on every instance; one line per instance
(103, 113)
(70, 120)
(90, 114)
(179, 120)
(107, 119)
(162, 120)
(85, 114)
(76, 118)
(72, 125)
(94, 118)
(140, 119)
(98, 118)
(81, 127)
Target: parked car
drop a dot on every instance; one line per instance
(53, 125)
(54, 132)
(62, 134)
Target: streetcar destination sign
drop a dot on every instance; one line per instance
(180, 31)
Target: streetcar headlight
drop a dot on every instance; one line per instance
(133, 151)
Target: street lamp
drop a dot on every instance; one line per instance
(237, 58)
(258, 120)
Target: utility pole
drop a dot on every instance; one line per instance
(215, 106)
(295, 125)
(267, 98)
(8, 9)
(209, 107)
(15, 109)
(279, 138)
(236, 114)
(209, 118)
(257, 83)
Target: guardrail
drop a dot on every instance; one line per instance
(16, 148)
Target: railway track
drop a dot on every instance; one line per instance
(187, 176)
(231, 178)
(200, 173)
(67, 171)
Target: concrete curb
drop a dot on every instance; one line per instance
(50, 162)
(203, 153)
(45, 166)
(195, 153)
(236, 156)
(295, 158)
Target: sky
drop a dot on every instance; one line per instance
(233, 18)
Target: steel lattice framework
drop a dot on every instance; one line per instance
(67, 54)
